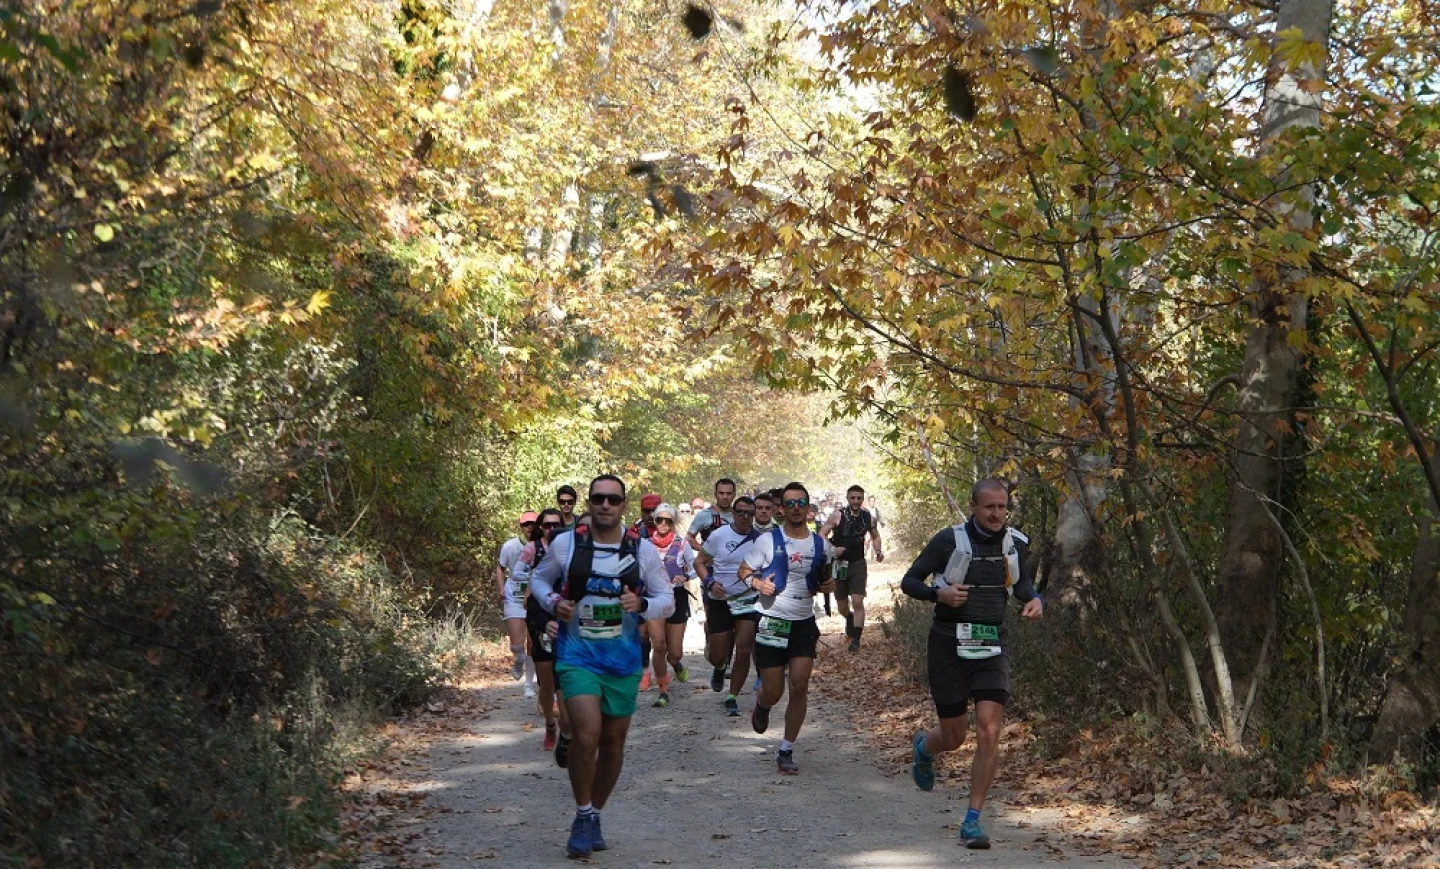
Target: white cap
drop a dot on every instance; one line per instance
(664, 510)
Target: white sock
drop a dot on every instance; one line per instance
(529, 670)
(786, 745)
(586, 809)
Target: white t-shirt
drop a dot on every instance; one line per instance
(793, 602)
(510, 554)
(727, 548)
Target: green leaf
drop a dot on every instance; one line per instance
(104, 231)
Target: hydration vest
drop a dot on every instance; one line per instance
(671, 557)
(582, 560)
(958, 566)
(778, 571)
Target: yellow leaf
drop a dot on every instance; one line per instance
(318, 302)
(104, 231)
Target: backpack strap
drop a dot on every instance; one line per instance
(959, 563)
(778, 570)
(582, 562)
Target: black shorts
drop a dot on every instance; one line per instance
(719, 619)
(804, 637)
(682, 607)
(536, 619)
(954, 680)
(855, 579)
(537, 651)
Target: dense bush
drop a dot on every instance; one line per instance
(188, 703)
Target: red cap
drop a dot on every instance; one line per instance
(529, 516)
(650, 501)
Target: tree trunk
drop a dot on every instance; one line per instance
(1249, 578)
(1412, 701)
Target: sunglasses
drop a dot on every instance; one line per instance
(664, 521)
(527, 524)
(567, 502)
(744, 514)
(611, 498)
(551, 526)
(797, 502)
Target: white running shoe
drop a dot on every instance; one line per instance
(530, 691)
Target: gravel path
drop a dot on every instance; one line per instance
(700, 789)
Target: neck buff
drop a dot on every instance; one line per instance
(978, 532)
(663, 543)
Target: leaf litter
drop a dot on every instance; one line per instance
(1136, 791)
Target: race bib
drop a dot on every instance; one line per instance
(744, 603)
(977, 642)
(773, 632)
(600, 619)
(520, 586)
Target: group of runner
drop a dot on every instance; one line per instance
(596, 612)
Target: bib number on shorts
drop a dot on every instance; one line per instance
(977, 642)
(744, 603)
(601, 621)
(773, 632)
(520, 586)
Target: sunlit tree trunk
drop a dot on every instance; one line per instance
(1249, 578)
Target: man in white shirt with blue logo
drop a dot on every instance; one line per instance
(788, 568)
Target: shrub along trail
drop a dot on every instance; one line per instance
(467, 782)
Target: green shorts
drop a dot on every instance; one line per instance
(617, 693)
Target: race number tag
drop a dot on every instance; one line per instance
(520, 586)
(977, 642)
(601, 619)
(743, 603)
(773, 632)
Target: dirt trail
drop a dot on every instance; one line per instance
(698, 789)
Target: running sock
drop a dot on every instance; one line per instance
(729, 697)
(529, 670)
(849, 623)
(518, 651)
(972, 815)
(786, 745)
(589, 809)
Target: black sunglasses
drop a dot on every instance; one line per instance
(526, 524)
(611, 498)
(797, 502)
(548, 526)
(744, 514)
(664, 521)
(566, 502)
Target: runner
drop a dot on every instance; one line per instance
(600, 581)
(709, 519)
(730, 616)
(847, 529)
(645, 526)
(542, 629)
(565, 498)
(765, 504)
(668, 637)
(812, 520)
(787, 568)
(512, 602)
(977, 565)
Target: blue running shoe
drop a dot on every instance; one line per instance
(597, 839)
(922, 765)
(580, 844)
(972, 835)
